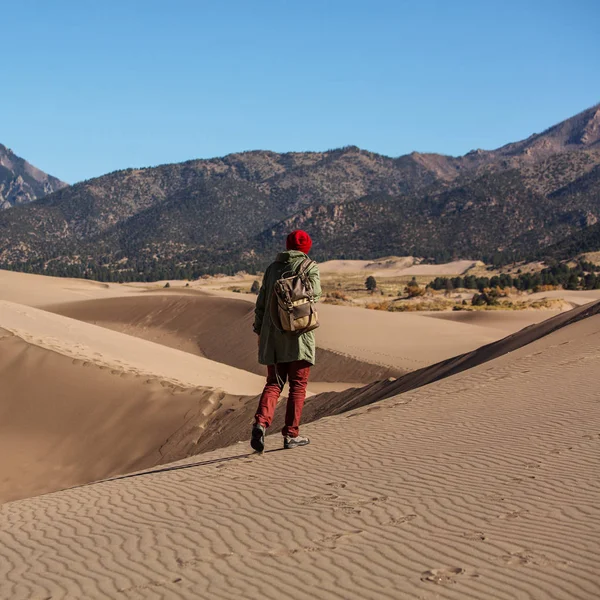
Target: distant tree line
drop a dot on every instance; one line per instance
(133, 270)
(583, 276)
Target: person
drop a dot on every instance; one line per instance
(288, 356)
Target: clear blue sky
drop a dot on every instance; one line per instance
(91, 87)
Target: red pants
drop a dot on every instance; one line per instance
(297, 372)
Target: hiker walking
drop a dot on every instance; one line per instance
(285, 318)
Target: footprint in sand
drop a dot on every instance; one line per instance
(521, 479)
(319, 498)
(345, 505)
(476, 536)
(442, 576)
(401, 520)
(533, 464)
(351, 507)
(337, 485)
(325, 543)
(515, 514)
(526, 557)
(560, 450)
(402, 403)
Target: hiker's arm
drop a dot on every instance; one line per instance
(315, 281)
(261, 303)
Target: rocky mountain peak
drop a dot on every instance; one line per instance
(21, 182)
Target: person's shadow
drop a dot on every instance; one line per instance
(201, 463)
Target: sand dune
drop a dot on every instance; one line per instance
(474, 477)
(355, 345)
(40, 290)
(505, 320)
(217, 328)
(81, 402)
(234, 425)
(410, 340)
(395, 266)
(575, 297)
(406, 341)
(106, 348)
(481, 485)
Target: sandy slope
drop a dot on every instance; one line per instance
(106, 348)
(410, 340)
(39, 290)
(482, 485)
(355, 345)
(406, 341)
(80, 402)
(217, 328)
(234, 425)
(505, 320)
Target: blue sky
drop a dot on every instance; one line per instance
(91, 87)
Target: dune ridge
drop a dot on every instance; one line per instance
(380, 390)
(481, 485)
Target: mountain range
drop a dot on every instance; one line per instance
(20, 182)
(231, 213)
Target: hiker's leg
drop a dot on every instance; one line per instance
(270, 395)
(298, 373)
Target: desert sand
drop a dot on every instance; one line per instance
(482, 485)
(462, 463)
(395, 266)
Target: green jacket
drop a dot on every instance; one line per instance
(276, 346)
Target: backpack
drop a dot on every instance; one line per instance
(293, 303)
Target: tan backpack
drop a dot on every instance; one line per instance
(293, 305)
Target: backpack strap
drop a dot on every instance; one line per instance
(306, 264)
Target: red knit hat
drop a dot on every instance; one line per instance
(299, 240)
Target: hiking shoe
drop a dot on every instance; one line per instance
(257, 441)
(290, 442)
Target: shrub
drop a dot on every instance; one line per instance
(486, 298)
(378, 305)
(336, 298)
(413, 289)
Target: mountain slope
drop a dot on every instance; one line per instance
(505, 211)
(21, 182)
(197, 202)
(232, 212)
